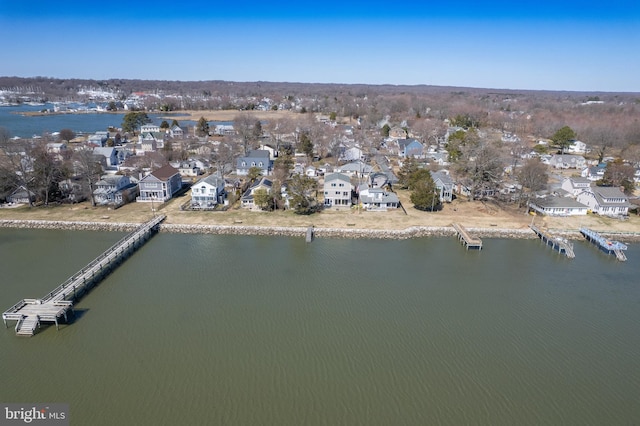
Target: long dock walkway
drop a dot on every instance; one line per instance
(560, 244)
(30, 313)
(605, 244)
(467, 239)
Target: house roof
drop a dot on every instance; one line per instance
(557, 202)
(165, 172)
(213, 180)
(357, 166)
(610, 196)
(369, 196)
(337, 176)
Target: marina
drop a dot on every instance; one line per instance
(605, 244)
(30, 313)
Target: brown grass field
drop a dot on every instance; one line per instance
(474, 214)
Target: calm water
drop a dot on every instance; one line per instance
(200, 329)
(26, 126)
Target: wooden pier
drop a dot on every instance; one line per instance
(561, 245)
(30, 313)
(605, 244)
(467, 239)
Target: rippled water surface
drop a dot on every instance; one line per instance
(202, 329)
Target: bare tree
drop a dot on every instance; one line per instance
(16, 163)
(87, 167)
(481, 167)
(247, 128)
(532, 177)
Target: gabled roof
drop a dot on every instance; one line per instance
(337, 176)
(403, 143)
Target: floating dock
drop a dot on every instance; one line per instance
(467, 239)
(30, 313)
(561, 245)
(605, 244)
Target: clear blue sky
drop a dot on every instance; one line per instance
(517, 44)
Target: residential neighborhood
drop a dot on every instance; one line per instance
(248, 163)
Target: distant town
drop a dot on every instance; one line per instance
(307, 148)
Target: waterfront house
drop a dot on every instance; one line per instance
(255, 158)
(247, 200)
(114, 190)
(444, 184)
(160, 185)
(558, 206)
(575, 185)
(377, 199)
(21, 195)
(208, 192)
(337, 190)
(605, 201)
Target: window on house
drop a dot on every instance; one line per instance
(244, 164)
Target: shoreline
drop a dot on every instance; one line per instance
(319, 232)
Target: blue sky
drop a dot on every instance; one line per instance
(554, 45)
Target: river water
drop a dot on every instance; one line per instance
(12, 118)
(240, 330)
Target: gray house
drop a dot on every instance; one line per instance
(110, 155)
(208, 192)
(256, 158)
(337, 190)
(114, 190)
(377, 199)
(247, 198)
(160, 185)
(444, 184)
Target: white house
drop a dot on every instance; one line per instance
(566, 161)
(605, 201)
(149, 128)
(207, 193)
(558, 206)
(577, 147)
(575, 185)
